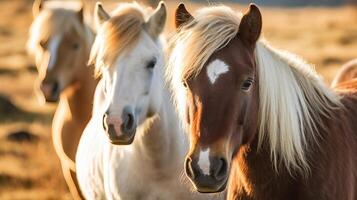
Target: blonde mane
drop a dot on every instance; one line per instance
(202, 38)
(119, 33)
(56, 20)
(292, 96)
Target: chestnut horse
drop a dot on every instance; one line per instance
(346, 73)
(259, 119)
(60, 41)
(133, 147)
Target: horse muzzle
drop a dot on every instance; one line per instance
(51, 91)
(213, 181)
(120, 131)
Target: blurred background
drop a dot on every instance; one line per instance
(324, 32)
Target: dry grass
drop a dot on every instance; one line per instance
(326, 37)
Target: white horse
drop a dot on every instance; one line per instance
(132, 101)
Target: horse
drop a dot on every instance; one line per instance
(260, 120)
(60, 40)
(133, 147)
(347, 72)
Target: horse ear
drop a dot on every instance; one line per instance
(100, 14)
(251, 25)
(156, 23)
(80, 12)
(37, 7)
(182, 16)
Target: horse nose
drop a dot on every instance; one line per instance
(219, 168)
(50, 90)
(128, 126)
(121, 131)
(110, 126)
(208, 180)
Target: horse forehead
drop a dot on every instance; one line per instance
(215, 69)
(144, 49)
(53, 46)
(237, 55)
(141, 53)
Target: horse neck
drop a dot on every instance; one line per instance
(80, 95)
(158, 140)
(253, 170)
(254, 175)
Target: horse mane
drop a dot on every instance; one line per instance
(293, 98)
(120, 33)
(56, 18)
(202, 38)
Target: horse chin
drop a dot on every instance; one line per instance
(206, 185)
(122, 140)
(52, 100)
(117, 142)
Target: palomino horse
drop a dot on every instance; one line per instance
(261, 117)
(133, 147)
(346, 73)
(61, 41)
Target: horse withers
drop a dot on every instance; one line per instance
(60, 40)
(260, 120)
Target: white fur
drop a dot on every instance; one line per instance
(53, 45)
(215, 69)
(75, 5)
(203, 161)
(136, 171)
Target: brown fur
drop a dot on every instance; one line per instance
(224, 118)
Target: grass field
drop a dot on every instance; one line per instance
(30, 169)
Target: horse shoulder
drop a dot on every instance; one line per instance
(89, 162)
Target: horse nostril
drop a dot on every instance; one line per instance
(104, 122)
(55, 88)
(221, 169)
(129, 123)
(188, 168)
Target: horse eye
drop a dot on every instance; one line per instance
(75, 46)
(151, 64)
(246, 84)
(43, 44)
(184, 83)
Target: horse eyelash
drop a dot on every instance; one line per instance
(152, 63)
(184, 83)
(250, 81)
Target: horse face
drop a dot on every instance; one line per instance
(222, 109)
(58, 64)
(59, 55)
(132, 83)
(129, 88)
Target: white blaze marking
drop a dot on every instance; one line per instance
(53, 45)
(215, 69)
(203, 162)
